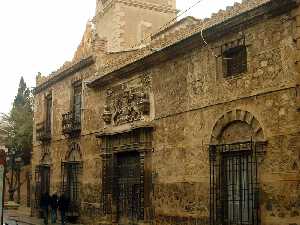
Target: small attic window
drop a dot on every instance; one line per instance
(235, 61)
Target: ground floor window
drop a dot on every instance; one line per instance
(42, 182)
(71, 186)
(234, 187)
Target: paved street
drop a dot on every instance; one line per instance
(22, 217)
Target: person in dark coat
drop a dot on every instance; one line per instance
(45, 201)
(54, 206)
(63, 205)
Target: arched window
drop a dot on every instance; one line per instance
(234, 176)
(71, 170)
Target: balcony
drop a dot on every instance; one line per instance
(71, 124)
(43, 132)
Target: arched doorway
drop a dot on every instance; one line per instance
(71, 170)
(237, 142)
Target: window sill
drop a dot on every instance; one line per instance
(235, 77)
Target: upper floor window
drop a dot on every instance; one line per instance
(234, 57)
(235, 61)
(43, 129)
(77, 92)
(71, 121)
(48, 113)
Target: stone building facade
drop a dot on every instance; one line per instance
(200, 125)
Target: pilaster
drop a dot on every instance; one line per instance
(296, 15)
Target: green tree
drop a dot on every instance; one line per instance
(18, 123)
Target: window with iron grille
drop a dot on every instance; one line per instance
(42, 182)
(235, 61)
(48, 113)
(77, 91)
(234, 186)
(70, 185)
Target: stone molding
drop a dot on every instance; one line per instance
(74, 148)
(296, 14)
(128, 102)
(232, 116)
(45, 157)
(160, 8)
(144, 5)
(127, 107)
(65, 72)
(148, 56)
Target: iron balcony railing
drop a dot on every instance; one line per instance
(71, 123)
(43, 131)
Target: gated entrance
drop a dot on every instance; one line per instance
(126, 185)
(128, 179)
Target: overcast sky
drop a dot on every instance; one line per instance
(40, 35)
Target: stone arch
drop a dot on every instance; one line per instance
(237, 126)
(74, 153)
(46, 159)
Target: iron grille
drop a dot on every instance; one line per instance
(43, 132)
(234, 186)
(42, 182)
(70, 123)
(128, 180)
(48, 113)
(107, 183)
(123, 174)
(70, 185)
(234, 57)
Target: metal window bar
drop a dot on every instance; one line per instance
(48, 113)
(70, 185)
(42, 182)
(234, 185)
(113, 147)
(107, 183)
(77, 103)
(128, 180)
(235, 58)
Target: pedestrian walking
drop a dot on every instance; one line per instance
(45, 201)
(63, 205)
(54, 206)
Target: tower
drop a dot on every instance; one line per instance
(126, 23)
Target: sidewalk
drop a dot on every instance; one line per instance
(22, 217)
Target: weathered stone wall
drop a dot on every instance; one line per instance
(60, 144)
(191, 95)
(188, 96)
(125, 23)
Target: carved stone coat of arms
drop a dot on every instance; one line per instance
(126, 104)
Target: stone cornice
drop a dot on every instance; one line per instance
(70, 70)
(144, 5)
(211, 34)
(117, 130)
